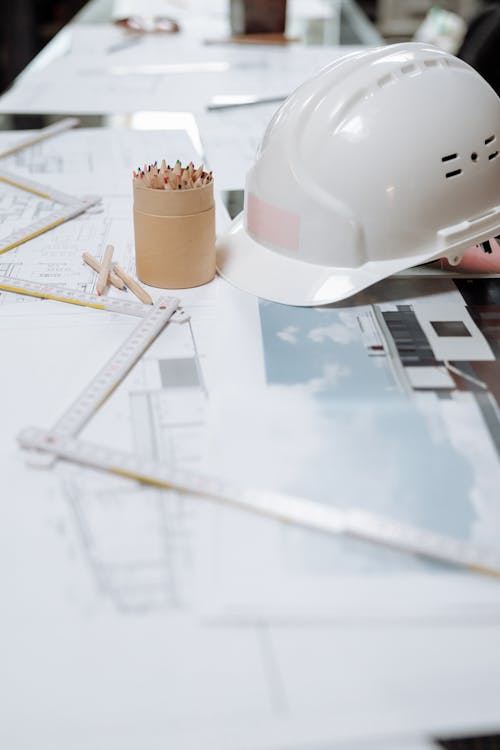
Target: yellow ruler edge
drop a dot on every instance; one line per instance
(482, 570)
(46, 295)
(26, 188)
(32, 235)
(143, 478)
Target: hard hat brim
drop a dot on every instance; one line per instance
(254, 268)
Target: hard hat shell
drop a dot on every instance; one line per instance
(385, 159)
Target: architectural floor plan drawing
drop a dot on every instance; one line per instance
(113, 557)
(19, 208)
(56, 256)
(158, 412)
(148, 565)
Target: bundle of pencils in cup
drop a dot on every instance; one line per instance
(165, 177)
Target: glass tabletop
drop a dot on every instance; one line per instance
(334, 22)
(324, 23)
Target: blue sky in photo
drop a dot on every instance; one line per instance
(303, 360)
(365, 423)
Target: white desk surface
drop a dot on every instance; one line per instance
(139, 619)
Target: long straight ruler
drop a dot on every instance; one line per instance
(41, 135)
(70, 206)
(281, 507)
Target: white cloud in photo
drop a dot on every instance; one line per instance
(466, 432)
(329, 378)
(290, 440)
(289, 334)
(336, 332)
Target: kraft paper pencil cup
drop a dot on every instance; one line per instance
(174, 236)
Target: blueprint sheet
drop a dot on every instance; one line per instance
(95, 571)
(101, 643)
(104, 641)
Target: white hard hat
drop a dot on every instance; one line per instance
(385, 159)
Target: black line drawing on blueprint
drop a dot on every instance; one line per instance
(137, 540)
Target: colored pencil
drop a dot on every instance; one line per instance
(96, 266)
(133, 285)
(102, 278)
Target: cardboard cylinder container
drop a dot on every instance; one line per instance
(174, 236)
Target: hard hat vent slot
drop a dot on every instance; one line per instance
(389, 78)
(431, 63)
(448, 157)
(454, 173)
(489, 140)
(493, 155)
(409, 69)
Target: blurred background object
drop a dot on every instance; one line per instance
(468, 28)
(481, 45)
(398, 20)
(258, 16)
(148, 25)
(25, 28)
(443, 29)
